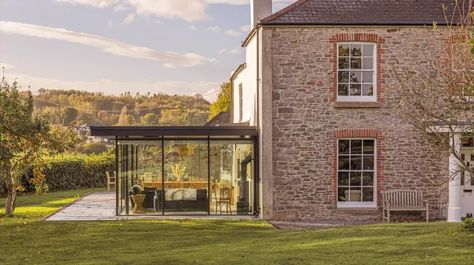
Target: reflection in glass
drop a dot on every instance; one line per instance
(177, 177)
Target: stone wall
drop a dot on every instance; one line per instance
(306, 120)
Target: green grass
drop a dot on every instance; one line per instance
(227, 242)
(31, 208)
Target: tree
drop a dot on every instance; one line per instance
(174, 117)
(150, 119)
(124, 118)
(70, 115)
(438, 98)
(223, 101)
(24, 139)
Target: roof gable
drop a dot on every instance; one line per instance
(366, 12)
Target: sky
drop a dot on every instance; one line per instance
(112, 46)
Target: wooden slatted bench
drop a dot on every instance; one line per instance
(404, 200)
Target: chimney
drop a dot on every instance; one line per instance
(259, 9)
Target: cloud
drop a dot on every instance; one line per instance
(245, 28)
(93, 3)
(236, 50)
(129, 19)
(207, 89)
(188, 10)
(214, 29)
(6, 66)
(231, 32)
(111, 46)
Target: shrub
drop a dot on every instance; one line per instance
(73, 171)
(93, 148)
(468, 224)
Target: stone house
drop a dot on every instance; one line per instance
(321, 85)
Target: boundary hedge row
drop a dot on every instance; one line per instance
(72, 171)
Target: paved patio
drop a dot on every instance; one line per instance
(95, 206)
(101, 206)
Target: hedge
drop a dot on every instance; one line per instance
(73, 171)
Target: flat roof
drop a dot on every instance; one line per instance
(158, 131)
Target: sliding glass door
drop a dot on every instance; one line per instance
(232, 181)
(186, 178)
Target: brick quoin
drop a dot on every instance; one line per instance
(360, 37)
(360, 133)
(451, 42)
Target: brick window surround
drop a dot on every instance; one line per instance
(360, 133)
(450, 43)
(359, 37)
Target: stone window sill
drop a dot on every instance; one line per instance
(357, 209)
(343, 104)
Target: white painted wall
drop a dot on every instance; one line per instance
(248, 79)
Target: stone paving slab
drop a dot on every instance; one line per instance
(95, 206)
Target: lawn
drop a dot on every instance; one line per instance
(31, 208)
(223, 242)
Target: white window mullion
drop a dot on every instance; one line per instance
(352, 179)
(363, 56)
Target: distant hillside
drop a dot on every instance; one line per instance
(74, 108)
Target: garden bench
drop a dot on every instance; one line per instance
(403, 200)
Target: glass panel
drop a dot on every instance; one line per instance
(355, 185)
(232, 180)
(356, 63)
(356, 162)
(368, 63)
(344, 146)
(367, 178)
(343, 90)
(354, 194)
(343, 194)
(149, 176)
(186, 173)
(343, 63)
(355, 90)
(368, 162)
(139, 170)
(343, 162)
(367, 90)
(368, 194)
(367, 77)
(343, 77)
(343, 179)
(356, 77)
(368, 50)
(356, 179)
(356, 50)
(186, 177)
(121, 180)
(343, 50)
(369, 146)
(356, 147)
